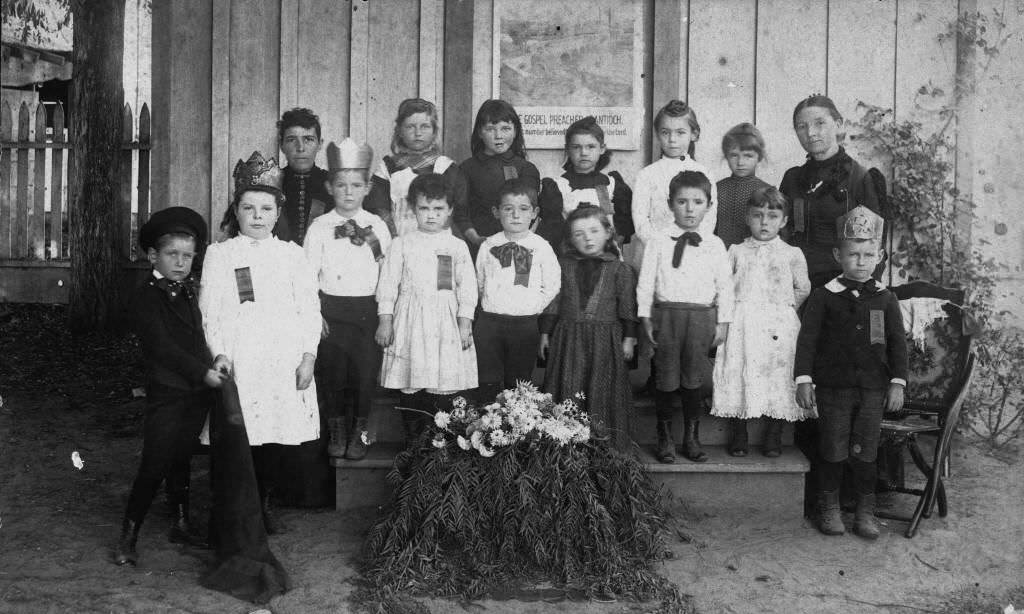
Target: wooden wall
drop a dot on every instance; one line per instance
(224, 71)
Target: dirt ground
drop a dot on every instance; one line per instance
(58, 524)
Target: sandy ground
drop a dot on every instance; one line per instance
(58, 526)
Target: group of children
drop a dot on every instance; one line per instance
(435, 279)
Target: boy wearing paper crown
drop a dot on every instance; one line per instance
(179, 372)
(346, 247)
(851, 365)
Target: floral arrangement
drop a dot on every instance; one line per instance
(517, 415)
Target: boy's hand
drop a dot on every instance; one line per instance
(721, 333)
(894, 398)
(805, 396)
(466, 332)
(385, 331)
(542, 349)
(223, 364)
(304, 374)
(325, 328)
(214, 378)
(628, 347)
(649, 331)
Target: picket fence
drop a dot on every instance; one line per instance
(35, 164)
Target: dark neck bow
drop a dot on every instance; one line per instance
(514, 253)
(862, 287)
(687, 238)
(184, 287)
(358, 236)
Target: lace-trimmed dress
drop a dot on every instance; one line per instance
(753, 374)
(587, 322)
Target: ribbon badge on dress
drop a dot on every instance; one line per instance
(687, 238)
(358, 236)
(445, 272)
(243, 278)
(513, 253)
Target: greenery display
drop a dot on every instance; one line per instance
(511, 495)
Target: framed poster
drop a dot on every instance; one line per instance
(559, 60)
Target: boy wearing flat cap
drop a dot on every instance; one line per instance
(179, 372)
(851, 365)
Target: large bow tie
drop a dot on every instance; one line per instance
(514, 253)
(358, 236)
(185, 287)
(687, 238)
(861, 287)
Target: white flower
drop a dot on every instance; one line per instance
(486, 452)
(476, 438)
(463, 442)
(441, 419)
(439, 441)
(365, 438)
(459, 403)
(490, 421)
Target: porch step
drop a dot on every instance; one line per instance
(723, 485)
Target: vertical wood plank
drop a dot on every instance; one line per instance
(57, 186)
(394, 49)
(483, 57)
(145, 129)
(6, 169)
(431, 69)
(359, 75)
(221, 161)
(861, 60)
(721, 83)
(124, 205)
(21, 202)
(37, 236)
(787, 72)
(671, 48)
(254, 73)
(288, 87)
(458, 78)
(324, 65)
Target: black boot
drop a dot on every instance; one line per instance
(666, 447)
(356, 449)
(271, 522)
(126, 554)
(692, 406)
(181, 529)
(773, 437)
(738, 445)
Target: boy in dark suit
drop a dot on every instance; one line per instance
(179, 372)
(851, 364)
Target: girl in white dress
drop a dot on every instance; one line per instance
(753, 375)
(261, 316)
(426, 299)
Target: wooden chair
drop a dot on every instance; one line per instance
(940, 376)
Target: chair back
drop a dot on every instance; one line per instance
(937, 365)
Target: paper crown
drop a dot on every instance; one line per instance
(348, 155)
(860, 223)
(257, 171)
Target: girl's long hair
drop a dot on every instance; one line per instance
(494, 111)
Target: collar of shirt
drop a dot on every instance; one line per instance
(837, 287)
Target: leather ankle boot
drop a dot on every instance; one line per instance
(181, 529)
(864, 523)
(773, 438)
(271, 522)
(126, 554)
(830, 519)
(691, 441)
(338, 436)
(356, 449)
(738, 445)
(666, 447)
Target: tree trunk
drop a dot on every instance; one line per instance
(96, 102)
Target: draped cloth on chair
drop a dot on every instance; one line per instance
(244, 567)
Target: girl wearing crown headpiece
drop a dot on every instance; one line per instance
(261, 316)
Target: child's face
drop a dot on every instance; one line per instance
(817, 132)
(497, 137)
(742, 162)
(257, 213)
(858, 258)
(688, 207)
(675, 136)
(348, 188)
(589, 236)
(174, 259)
(516, 213)
(300, 146)
(431, 215)
(417, 132)
(765, 223)
(584, 152)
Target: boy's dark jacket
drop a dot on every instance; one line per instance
(170, 329)
(834, 346)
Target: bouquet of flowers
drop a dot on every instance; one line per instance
(517, 415)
